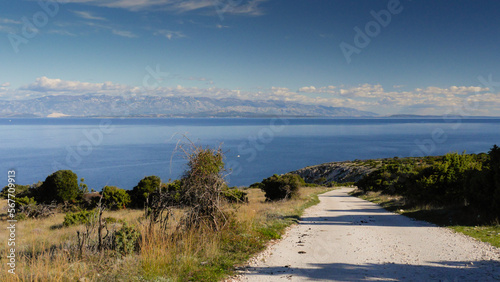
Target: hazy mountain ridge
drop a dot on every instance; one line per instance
(118, 106)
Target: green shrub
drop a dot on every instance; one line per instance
(75, 218)
(144, 189)
(20, 191)
(115, 198)
(257, 185)
(392, 177)
(282, 187)
(126, 239)
(234, 195)
(174, 190)
(24, 201)
(444, 183)
(61, 186)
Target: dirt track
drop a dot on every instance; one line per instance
(348, 239)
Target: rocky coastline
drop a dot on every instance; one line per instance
(339, 172)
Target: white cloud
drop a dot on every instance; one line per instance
(6, 84)
(170, 34)
(323, 89)
(88, 16)
(9, 21)
(189, 5)
(364, 90)
(12, 26)
(123, 33)
(308, 89)
(61, 32)
(115, 31)
(245, 7)
(48, 85)
(250, 8)
(453, 90)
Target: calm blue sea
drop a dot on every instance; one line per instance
(120, 152)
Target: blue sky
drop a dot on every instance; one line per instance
(430, 57)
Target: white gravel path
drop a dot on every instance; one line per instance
(348, 239)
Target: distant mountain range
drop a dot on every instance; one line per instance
(154, 106)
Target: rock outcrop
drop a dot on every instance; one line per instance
(340, 172)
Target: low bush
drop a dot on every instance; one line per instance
(126, 239)
(234, 195)
(115, 198)
(75, 218)
(280, 187)
(24, 201)
(20, 191)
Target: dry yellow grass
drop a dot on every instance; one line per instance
(45, 251)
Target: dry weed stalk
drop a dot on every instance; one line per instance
(94, 228)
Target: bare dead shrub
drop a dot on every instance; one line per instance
(33, 210)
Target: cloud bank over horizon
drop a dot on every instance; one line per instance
(464, 100)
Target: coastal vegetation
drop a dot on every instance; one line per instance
(194, 228)
(468, 182)
(461, 191)
(198, 228)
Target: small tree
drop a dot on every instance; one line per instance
(83, 187)
(115, 198)
(282, 187)
(61, 186)
(144, 189)
(199, 193)
(202, 187)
